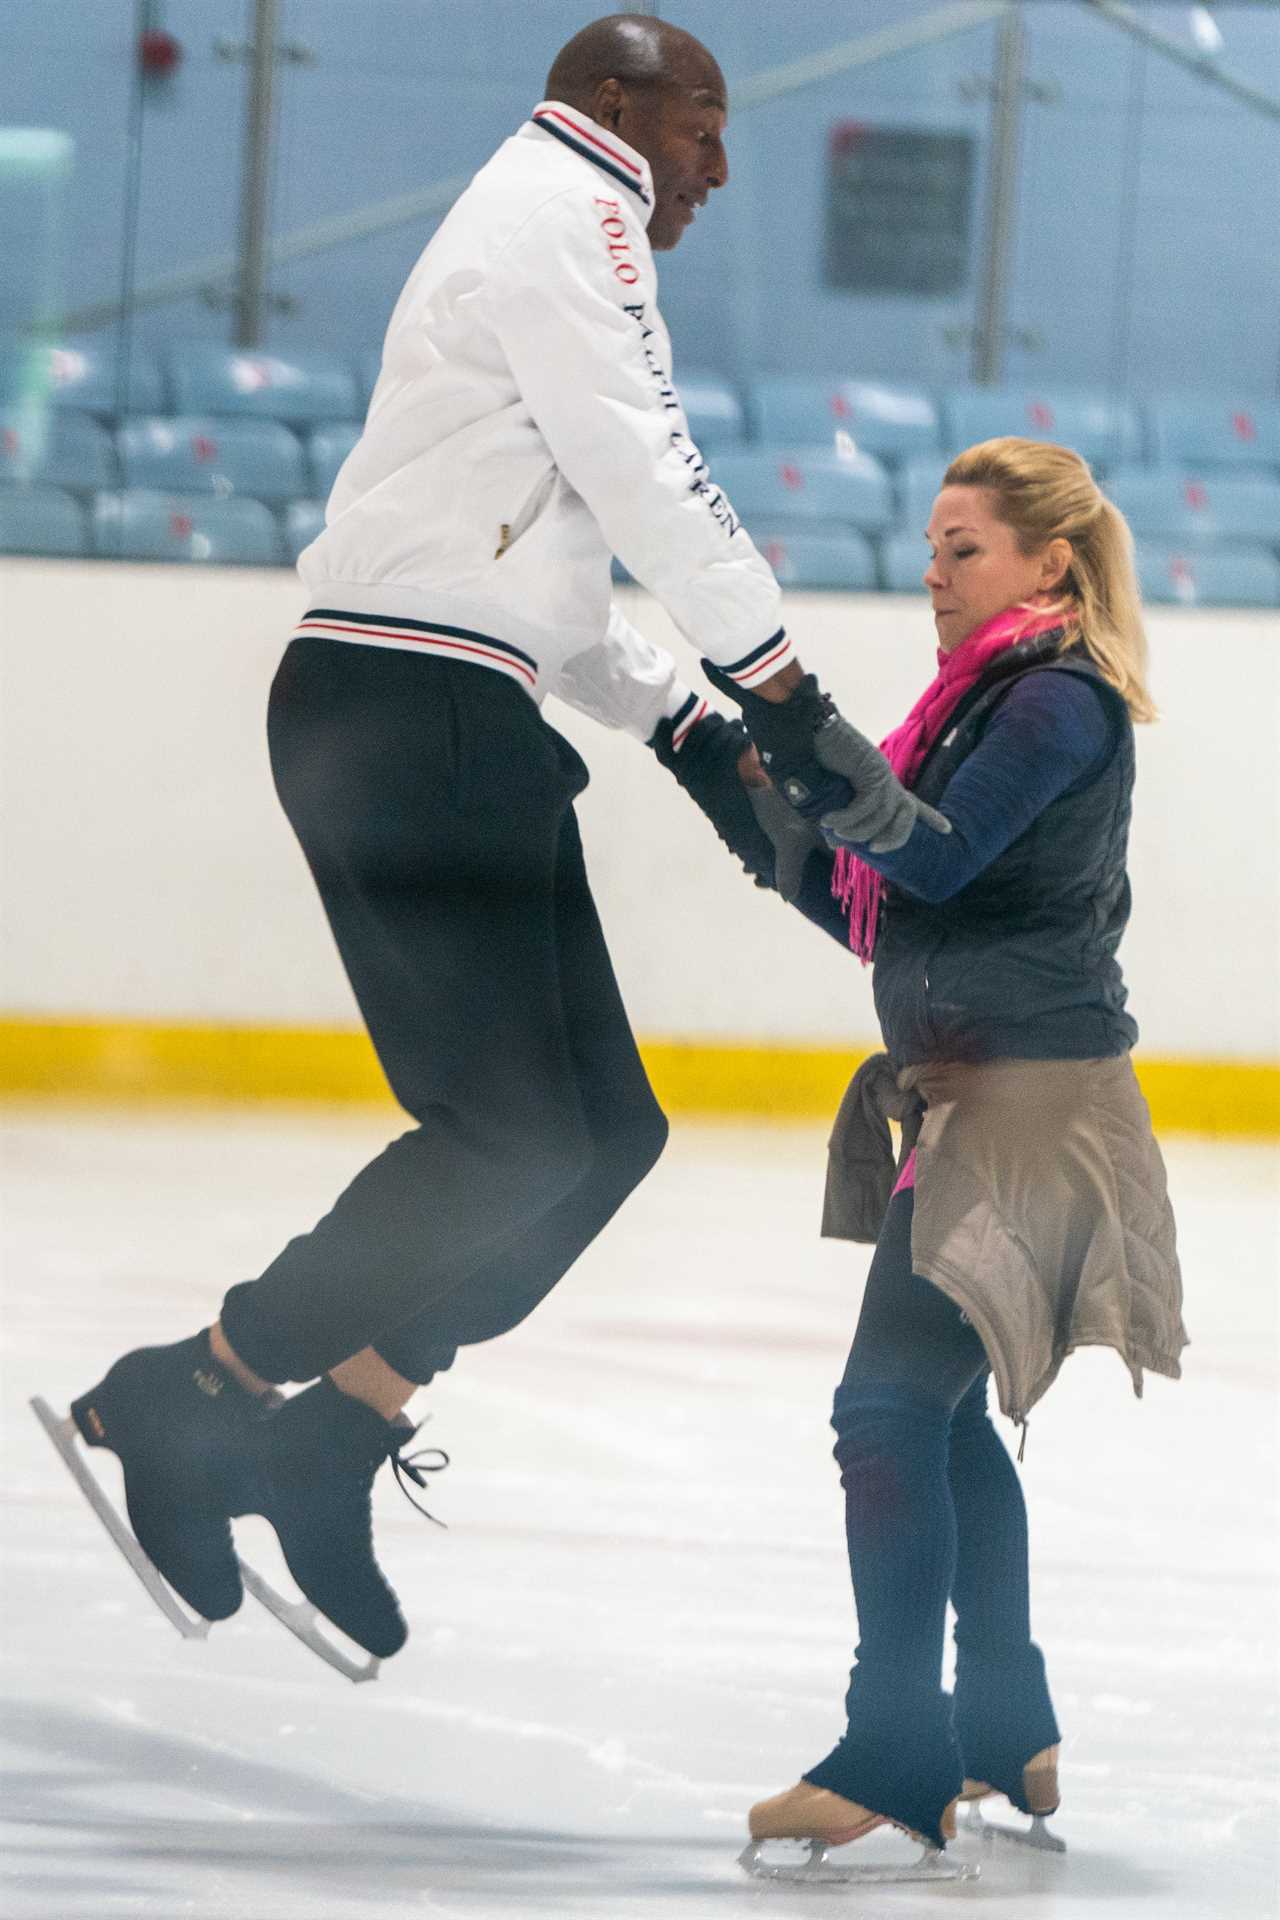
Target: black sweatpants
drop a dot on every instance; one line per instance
(435, 808)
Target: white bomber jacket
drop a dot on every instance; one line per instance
(524, 427)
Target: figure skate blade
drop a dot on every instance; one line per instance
(65, 1437)
(993, 1833)
(303, 1621)
(933, 1867)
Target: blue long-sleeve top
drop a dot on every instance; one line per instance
(1050, 731)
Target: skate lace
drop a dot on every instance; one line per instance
(416, 1467)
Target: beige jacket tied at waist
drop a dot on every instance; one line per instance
(1041, 1207)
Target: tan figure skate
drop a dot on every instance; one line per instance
(1040, 1790)
(821, 1820)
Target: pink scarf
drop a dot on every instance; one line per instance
(857, 886)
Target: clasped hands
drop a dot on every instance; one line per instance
(818, 780)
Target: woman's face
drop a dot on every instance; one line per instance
(978, 569)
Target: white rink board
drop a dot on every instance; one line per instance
(149, 873)
(639, 1619)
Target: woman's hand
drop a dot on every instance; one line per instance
(883, 812)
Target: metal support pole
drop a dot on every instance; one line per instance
(251, 284)
(1006, 126)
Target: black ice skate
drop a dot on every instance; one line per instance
(179, 1424)
(313, 1473)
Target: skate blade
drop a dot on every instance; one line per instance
(65, 1434)
(932, 1867)
(1036, 1836)
(303, 1621)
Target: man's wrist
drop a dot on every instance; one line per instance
(750, 767)
(781, 686)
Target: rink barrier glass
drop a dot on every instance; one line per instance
(140, 1061)
(218, 221)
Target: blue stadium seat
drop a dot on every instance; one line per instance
(802, 559)
(301, 388)
(890, 422)
(919, 481)
(40, 520)
(903, 559)
(1245, 577)
(85, 377)
(328, 447)
(1163, 503)
(302, 522)
(62, 450)
(713, 410)
(770, 487)
(157, 526)
(1204, 430)
(186, 455)
(1103, 431)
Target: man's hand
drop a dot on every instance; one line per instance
(785, 730)
(713, 766)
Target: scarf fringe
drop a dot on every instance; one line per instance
(857, 886)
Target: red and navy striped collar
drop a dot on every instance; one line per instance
(597, 144)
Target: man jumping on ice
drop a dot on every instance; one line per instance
(523, 428)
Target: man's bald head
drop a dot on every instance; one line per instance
(662, 92)
(635, 49)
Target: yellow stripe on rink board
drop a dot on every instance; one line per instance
(124, 1060)
(138, 1060)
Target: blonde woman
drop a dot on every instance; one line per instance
(981, 867)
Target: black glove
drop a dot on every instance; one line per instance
(783, 732)
(707, 768)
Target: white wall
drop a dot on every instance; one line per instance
(148, 872)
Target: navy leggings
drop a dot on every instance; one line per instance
(934, 1512)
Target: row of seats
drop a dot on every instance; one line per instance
(1159, 503)
(891, 420)
(241, 531)
(175, 454)
(267, 461)
(199, 376)
(897, 423)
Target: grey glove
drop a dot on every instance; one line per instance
(882, 812)
(794, 838)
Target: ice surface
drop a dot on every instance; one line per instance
(639, 1620)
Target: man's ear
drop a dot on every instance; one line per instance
(606, 106)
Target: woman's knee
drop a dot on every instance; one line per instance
(873, 1416)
